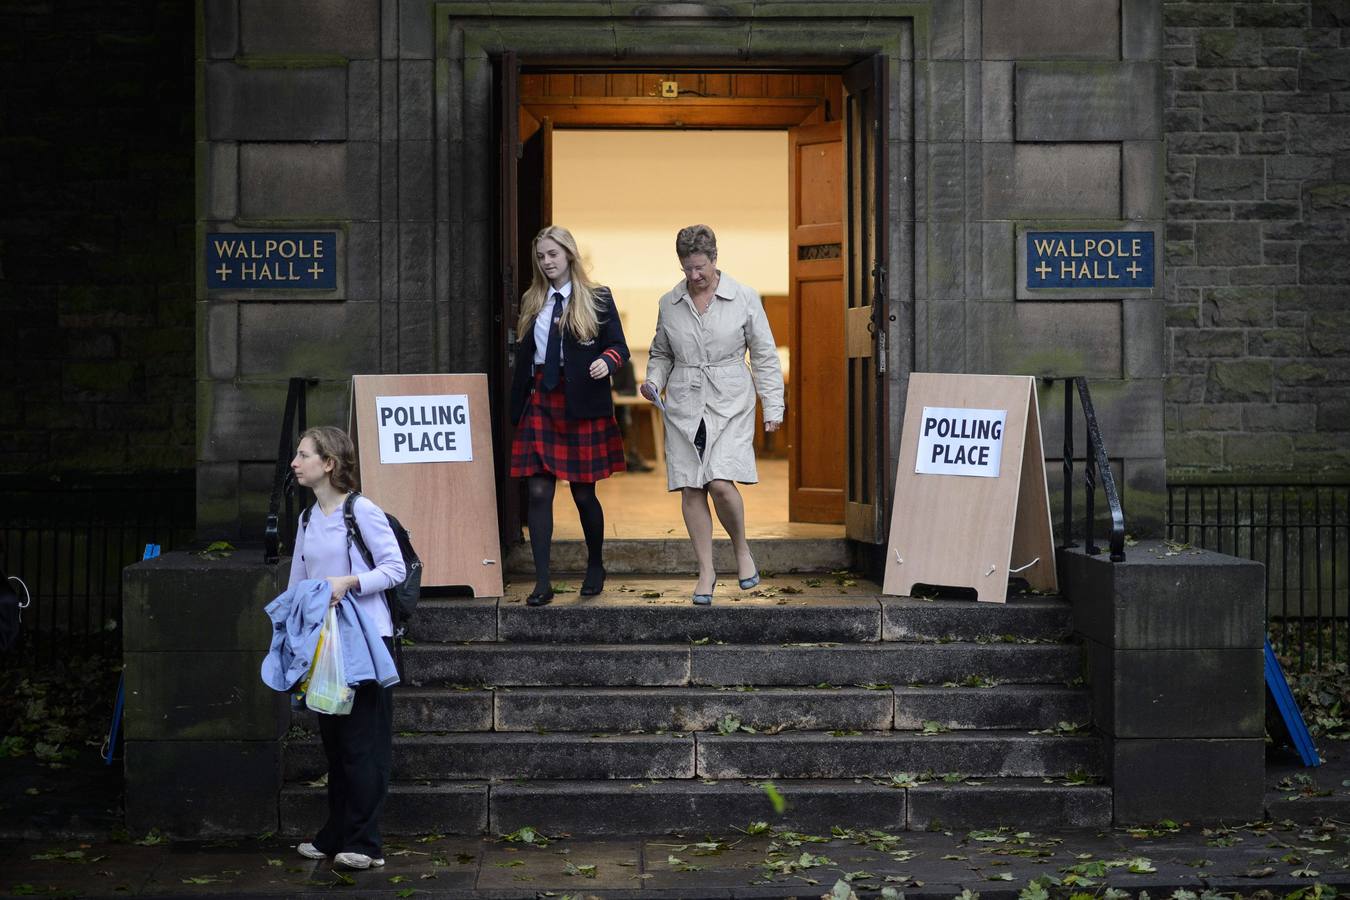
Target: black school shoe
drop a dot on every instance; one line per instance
(539, 598)
(593, 583)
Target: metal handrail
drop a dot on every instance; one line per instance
(1096, 466)
(293, 424)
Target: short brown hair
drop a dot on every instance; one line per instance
(333, 444)
(696, 239)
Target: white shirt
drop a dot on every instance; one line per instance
(544, 321)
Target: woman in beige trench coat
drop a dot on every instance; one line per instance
(704, 327)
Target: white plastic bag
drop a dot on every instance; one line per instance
(328, 690)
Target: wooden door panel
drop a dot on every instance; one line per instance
(818, 376)
(865, 243)
(821, 170)
(816, 391)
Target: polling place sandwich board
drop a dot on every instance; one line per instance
(424, 444)
(971, 501)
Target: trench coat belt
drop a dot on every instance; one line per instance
(718, 364)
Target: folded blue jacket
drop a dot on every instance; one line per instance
(297, 616)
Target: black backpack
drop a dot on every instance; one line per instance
(401, 598)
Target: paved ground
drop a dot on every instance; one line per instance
(59, 836)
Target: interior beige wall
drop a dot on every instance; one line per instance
(624, 195)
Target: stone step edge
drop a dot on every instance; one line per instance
(577, 646)
(963, 736)
(1021, 601)
(493, 806)
(626, 785)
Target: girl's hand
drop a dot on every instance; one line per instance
(341, 585)
(599, 369)
(772, 426)
(649, 391)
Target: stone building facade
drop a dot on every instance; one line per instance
(323, 118)
(378, 123)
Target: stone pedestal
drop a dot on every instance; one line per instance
(203, 733)
(1174, 644)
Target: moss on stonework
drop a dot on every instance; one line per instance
(1302, 373)
(310, 358)
(1329, 196)
(1145, 511)
(1046, 363)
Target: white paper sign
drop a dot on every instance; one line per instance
(960, 441)
(424, 429)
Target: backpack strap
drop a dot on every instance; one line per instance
(354, 537)
(353, 531)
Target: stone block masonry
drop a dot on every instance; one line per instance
(1257, 239)
(96, 247)
(198, 716)
(1174, 643)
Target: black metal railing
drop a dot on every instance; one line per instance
(68, 540)
(1096, 469)
(284, 489)
(1301, 533)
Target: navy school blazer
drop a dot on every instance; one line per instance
(587, 397)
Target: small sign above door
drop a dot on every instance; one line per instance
(1089, 259)
(294, 260)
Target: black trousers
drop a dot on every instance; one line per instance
(359, 747)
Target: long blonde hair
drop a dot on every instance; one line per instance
(582, 317)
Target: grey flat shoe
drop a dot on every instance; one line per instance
(747, 583)
(703, 599)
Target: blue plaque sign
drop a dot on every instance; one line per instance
(284, 260)
(1089, 259)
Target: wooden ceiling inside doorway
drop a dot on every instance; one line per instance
(703, 100)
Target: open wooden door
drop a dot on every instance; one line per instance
(865, 316)
(525, 152)
(817, 394)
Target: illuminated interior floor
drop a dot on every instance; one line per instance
(637, 505)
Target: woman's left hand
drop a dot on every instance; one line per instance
(599, 369)
(772, 426)
(341, 585)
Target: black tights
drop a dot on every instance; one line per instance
(540, 519)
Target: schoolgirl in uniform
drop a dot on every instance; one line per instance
(569, 344)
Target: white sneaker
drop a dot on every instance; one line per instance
(358, 860)
(309, 851)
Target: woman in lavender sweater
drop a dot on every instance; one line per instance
(359, 745)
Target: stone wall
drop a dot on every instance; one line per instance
(96, 240)
(1258, 244)
(96, 246)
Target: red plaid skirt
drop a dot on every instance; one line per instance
(582, 450)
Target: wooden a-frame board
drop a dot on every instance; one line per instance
(963, 531)
(449, 508)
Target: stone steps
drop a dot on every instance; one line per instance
(585, 808)
(601, 715)
(806, 664)
(651, 709)
(780, 609)
(791, 755)
(674, 555)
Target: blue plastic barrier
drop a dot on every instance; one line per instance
(1290, 715)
